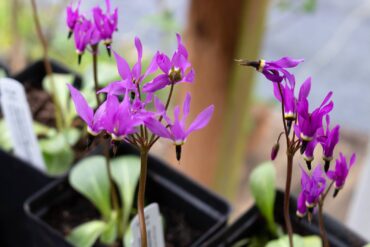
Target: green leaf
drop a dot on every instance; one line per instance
(90, 178)
(41, 129)
(308, 241)
(2, 73)
(125, 172)
(262, 183)
(85, 235)
(110, 233)
(61, 94)
(72, 135)
(57, 153)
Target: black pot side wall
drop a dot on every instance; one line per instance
(202, 208)
(251, 223)
(20, 179)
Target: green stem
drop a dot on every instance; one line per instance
(288, 181)
(95, 71)
(324, 236)
(141, 195)
(113, 189)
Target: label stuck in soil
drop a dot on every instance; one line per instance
(154, 227)
(18, 119)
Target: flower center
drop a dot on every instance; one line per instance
(175, 74)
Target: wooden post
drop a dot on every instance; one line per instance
(211, 38)
(237, 120)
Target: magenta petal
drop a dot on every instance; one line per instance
(122, 66)
(305, 89)
(159, 82)
(180, 47)
(139, 48)
(190, 76)
(157, 128)
(202, 119)
(82, 108)
(277, 91)
(186, 106)
(163, 62)
(287, 62)
(152, 67)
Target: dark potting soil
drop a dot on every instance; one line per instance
(75, 210)
(42, 107)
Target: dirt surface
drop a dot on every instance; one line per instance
(76, 210)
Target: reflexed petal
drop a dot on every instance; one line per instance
(82, 108)
(122, 66)
(190, 76)
(305, 89)
(180, 47)
(163, 62)
(352, 160)
(186, 106)
(159, 82)
(157, 128)
(139, 48)
(287, 62)
(152, 66)
(202, 119)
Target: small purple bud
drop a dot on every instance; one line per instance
(275, 151)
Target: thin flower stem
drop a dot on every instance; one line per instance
(323, 233)
(324, 236)
(288, 181)
(141, 195)
(95, 71)
(113, 190)
(290, 155)
(152, 140)
(58, 111)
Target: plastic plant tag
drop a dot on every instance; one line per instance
(18, 119)
(154, 228)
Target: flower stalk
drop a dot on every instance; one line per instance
(141, 195)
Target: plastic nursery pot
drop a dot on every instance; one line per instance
(252, 224)
(182, 202)
(20, 179)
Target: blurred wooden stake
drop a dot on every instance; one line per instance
(211, 39)
(237, 120)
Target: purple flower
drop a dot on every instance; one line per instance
(176, 130)
(328, 141)
(309, 123)
(119, 120)
(130, 77)
(82, 34)
(339, 175)
(175, 70)
(106, 23)
(72, 17)
(312, 188)
(308, 153)
(274, 71)
(301, 205)
(95, 122)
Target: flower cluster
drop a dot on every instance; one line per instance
(309, 129)
(126, 111)
(91, 32)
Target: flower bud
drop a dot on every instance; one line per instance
(275, 151)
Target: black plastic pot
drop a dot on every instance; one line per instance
(202, 209)
(252, 223)
(20, 179)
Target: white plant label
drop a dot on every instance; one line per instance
(18, 120)
(154, 227)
